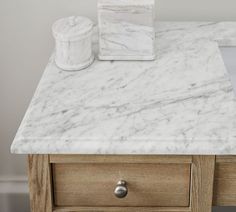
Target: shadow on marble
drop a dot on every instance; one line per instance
(229, 57)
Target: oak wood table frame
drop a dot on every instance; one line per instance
(212, 181)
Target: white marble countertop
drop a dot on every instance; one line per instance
(181, 103)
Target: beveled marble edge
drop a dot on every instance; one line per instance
(139, 147)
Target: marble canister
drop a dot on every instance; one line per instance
(126, 29)
(73, 39)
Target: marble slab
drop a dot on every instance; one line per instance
(181, 103)
(126, 29)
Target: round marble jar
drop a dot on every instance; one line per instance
(73, 38)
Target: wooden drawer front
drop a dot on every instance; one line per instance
(93, 184)
(225, 184)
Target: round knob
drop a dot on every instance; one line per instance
(121, 189)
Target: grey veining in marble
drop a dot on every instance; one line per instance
(73, 42)
(181, 103)
(126, 29)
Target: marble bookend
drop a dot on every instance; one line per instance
(126, 29)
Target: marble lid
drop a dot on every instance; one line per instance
(72, 28)
(126, 2)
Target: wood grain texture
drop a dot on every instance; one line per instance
(40, 183)
(226, 159)
(149, 184)
(225, 184)
(122, 209)
(202, 183)
(120, 159)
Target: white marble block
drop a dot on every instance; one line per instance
(73, 38)
(126, 29)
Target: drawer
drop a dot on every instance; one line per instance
(149, 184)
(225, 181)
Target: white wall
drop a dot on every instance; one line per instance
(26, 44)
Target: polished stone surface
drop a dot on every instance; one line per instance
(181, 103)
(73, 43)
(126, 29)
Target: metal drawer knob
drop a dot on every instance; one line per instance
(121, 189)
